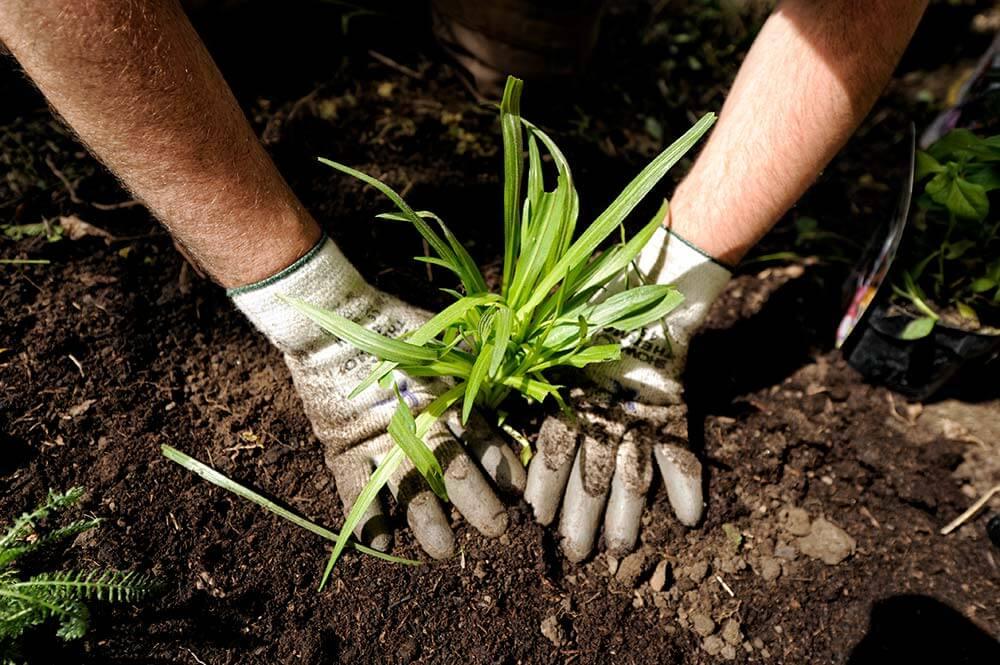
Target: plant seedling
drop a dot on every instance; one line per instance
(28, 602)
(554, 307)
(952, 262)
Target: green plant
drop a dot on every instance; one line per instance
(30, 601)
(953, 261)
(552, 306)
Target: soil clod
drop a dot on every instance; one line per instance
(827, 542)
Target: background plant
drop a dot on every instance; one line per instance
(952, 259)
(552, 306)
(26, 602)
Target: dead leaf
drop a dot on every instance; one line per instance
(76, 228)
(79, 409)
(90, 279)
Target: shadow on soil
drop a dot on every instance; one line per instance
(918, 629)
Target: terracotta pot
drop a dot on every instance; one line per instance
(547, 39)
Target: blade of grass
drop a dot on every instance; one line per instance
(544, 243)
(619, 261)
(536, 177)
(230, 485)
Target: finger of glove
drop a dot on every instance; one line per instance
(629, 485)
(550, 467)
(351, 472)
(494, 456)
(682, 476)
(466, 485)
(467, 488)
(585, 498)
(424, 514)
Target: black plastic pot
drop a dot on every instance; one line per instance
(916, 368)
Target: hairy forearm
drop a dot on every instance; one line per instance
(134, 80)
(810, 78)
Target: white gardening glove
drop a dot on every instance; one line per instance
(325, 370)
(600, 463)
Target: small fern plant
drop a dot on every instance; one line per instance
(28, 601)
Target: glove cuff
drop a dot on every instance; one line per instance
(670, 259)
(323, 277)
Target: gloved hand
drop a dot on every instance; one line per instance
(325, 370)
(600, 464)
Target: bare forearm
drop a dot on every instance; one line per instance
(134, 80)
(810, 78)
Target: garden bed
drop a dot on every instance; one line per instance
(118, 346)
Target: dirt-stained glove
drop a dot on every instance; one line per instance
(600, 463)
(325, 370)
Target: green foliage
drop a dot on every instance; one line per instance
(553, 308)
(51, 232)
(953, 260)
(26, 602)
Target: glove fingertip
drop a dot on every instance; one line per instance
(681, 472)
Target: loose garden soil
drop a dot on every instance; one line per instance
(825, 494)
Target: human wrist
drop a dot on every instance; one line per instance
(689, 217)
(271, 248)
(322, 277)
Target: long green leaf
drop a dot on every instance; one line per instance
(402, 429)
(464, 266)
(617, 262)
(379, 346)
(599, 272)
(422, 227)
(588, 355)
(513, 164)
(501, 339)
(368, 494)
(544, 243)
(615, 213)
(533, 388)
(437, 324)
(479, 371)
(641, 319)
(536, 177)
(230, 485)
(627, 303)
(598, 353)
(568, 221)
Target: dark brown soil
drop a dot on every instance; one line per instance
(117, 347)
